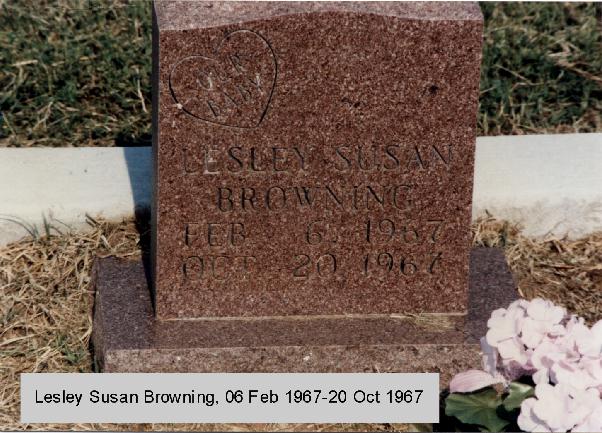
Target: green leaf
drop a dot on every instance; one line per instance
(517, 392)
(477, 408)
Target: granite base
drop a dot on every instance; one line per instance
(127, 337)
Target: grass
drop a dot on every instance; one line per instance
(77, 73)
(45, 313)
(566, 272)
(542, 68)
(74, 73)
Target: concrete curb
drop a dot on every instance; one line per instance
(551, 184)
(53, 189)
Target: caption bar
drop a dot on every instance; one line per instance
(230, 398)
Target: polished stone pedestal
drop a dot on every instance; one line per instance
(128, 338)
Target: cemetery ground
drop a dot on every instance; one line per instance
(46, 302)
(81, 77)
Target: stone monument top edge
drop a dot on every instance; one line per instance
(183, 15)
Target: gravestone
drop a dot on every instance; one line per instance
(314, 170)
(314, 164)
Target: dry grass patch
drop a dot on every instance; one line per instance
(45, 320)
(45, 306)
(564, 271)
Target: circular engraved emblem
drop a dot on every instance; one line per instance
(231, 87)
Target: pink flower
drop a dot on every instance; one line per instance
(541, 376)
(520, 303)
(547, 353)
(583, 404)
(513, 350)
(545, 311)
(472, 380)
(570, 375)
(543, 318)
(588, 341)
(504, 325)
(593, 423)
(528, 421)
(593, 366)
(561, 353)
(597, 333)
(560, 408)
(533, 332)
(552, 406)
(490, 357)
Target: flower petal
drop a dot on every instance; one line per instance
(532, 332)
(471, 380)
(527, 420)
(512, 350)
(541, 376)
(546, 311)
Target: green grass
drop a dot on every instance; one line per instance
(542, 68)
(74, 74)
(77, 73)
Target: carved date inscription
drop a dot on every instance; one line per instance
(385, 239)
(232, 86)
(388, 246)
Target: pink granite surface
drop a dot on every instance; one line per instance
(313, 159)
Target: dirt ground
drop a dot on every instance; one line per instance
(45, 308)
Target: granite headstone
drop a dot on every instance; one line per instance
(314, 158)
(314, 171)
